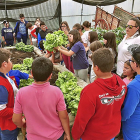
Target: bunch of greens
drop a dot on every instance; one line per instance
(22, 47)
(119, 32)
(68, 85)
(57, 38)
(25, 67)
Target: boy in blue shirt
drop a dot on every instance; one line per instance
(7, 34)
(131, 109)
(20, 30)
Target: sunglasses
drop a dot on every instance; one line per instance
(130, 26)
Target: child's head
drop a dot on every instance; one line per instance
(92, 36)
(95, 45)
(5, 62)
(103, 59)
(134, 50)
(29, 25)
(6, 23)
(78, 27)
(74, 36)
(21, 16)
(64, 26)
(43, 26)
(128, 71)
(86, 24)
(41, 69)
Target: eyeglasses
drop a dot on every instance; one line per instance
(131, 60)
(63, 26)
(130, 26)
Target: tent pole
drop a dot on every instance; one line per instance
(132, 6)
(6, 11)
(82, 11)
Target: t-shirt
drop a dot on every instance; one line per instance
(127, 81)
(7, 33)
(79, 59)
(22, 28)
(40, 104)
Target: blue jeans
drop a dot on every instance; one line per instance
(9, 135)
(23, 37)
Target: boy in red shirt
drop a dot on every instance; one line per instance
(99, 111)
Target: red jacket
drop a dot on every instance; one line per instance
(7, 113)
(99, 111)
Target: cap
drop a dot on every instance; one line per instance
(5, 22)
(134, 50)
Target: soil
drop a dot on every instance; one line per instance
(18, 56)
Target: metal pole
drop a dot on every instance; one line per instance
(82, 11)
(5, 11)
(132, 6)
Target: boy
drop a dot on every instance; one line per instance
(20, 29)
(30, 28)
(7, 34)
(45, 111)
(99, 111)
(131, 109)
(8, 130)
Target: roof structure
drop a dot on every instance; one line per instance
(99, 2)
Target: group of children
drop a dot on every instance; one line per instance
(103, 103)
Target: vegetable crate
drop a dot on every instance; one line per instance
(105, 20)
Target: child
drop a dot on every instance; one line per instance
(93, 47)
(128, 73)
(78, 53)
(8, 130)
(45, 111)
(110, 42)
(99, 112)
(131, 109)
(7, 34)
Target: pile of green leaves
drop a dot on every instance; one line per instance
(119, 32)
(22, 47)
(25, 67)
(57, 38)
(71, 91)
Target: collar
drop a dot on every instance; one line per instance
(2, 75)
(133, 36)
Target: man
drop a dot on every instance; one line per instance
(132, 37)
(7, 34)
(30, 28)
(20, 30)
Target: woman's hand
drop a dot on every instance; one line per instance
(66, 137)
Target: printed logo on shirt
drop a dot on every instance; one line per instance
(22, 28)
(8, 30)
(110, 99)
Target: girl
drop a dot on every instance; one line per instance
(93, 47)
(67, 60)
(78, 53)
(110, 42)
(128, 73)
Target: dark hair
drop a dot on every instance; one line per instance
(137, 23)
(4, 55)
(41, 45)
(76, 37)
(104, 59)
(42, 68)
(78, 26)
(93, 36)
(42, 23)
(134, 74)
(21, 15)
(65, 22)
(87, 24)
(28, 25)
(111, 43)
(95, 45)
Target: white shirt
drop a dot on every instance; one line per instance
(123, 54)
(29, 32)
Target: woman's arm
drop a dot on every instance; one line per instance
(67, 53)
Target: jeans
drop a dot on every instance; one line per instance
(9, 135)
(24, 39)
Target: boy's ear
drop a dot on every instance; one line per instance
(49, 77)
(31, 73)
